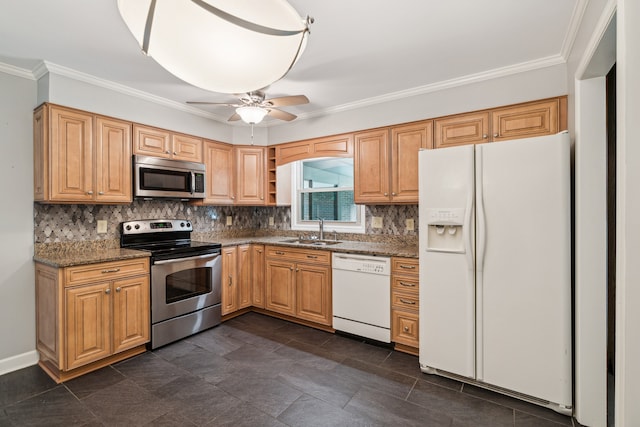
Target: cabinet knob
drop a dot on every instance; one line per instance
(230, 280)
(118, 289)
(175, 154)
(167, 152)
(495, 135)
(89, 193)
(393, 194)
(101, 193)
(233, 197)
(107, 291)
(406, 329)
(485, 136)
(297, 269)
(386, 194)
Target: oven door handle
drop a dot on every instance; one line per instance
(191, 258)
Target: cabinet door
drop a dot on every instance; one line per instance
(257, 281)
(40, 153)
(113, 160)
(229, 280)
(406, 141)
(219, 161)
(71, 151)
(371, 167)
(131, 315)
(87, 324)
(185, 147)
(280, 290)
(150, 141)
(251, 175)
(405, 328)
(462, 129)
(244, 276)
(523, 121)
(313, 293)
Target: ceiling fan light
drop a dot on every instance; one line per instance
(251, 114)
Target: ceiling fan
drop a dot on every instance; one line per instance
(252, 106)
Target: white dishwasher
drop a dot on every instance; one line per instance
(361, 295)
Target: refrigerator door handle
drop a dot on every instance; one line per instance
(481, 231)
(467, 234)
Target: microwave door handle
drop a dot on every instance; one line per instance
(193, 183)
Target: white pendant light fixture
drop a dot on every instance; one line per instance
(251, 114)
(219, 45)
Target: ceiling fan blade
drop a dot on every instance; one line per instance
(234, 117)
(282, 115)
(284, 101)
(227, 104)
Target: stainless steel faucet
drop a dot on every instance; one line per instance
(321, 223)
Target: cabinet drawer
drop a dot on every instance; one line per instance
(404, 266)
(405, 284)
(404, 301)
(105, 271)
(404, 328)
(311, 256)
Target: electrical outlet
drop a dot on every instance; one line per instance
(376, 222)
(271, 221)
(102, 226)
(229, 220)
(409, 224)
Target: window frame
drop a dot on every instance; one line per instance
(297, 187)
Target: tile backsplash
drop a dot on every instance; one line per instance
(66, 223)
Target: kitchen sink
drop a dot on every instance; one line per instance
(314, 242)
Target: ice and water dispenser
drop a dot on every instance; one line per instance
(445, 230)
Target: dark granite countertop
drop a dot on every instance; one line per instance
(80, 253)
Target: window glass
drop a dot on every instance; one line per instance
(323, 189)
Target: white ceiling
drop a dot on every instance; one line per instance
(359, 51)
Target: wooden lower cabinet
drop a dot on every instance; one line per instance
(405, 304)
(257, 278)
(92, 315)
(242, 277)
(298, 283)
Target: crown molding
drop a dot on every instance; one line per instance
(446, 84)
(50, 67)
(16, 71)
(574, 25)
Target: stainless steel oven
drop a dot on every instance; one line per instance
(185, 278)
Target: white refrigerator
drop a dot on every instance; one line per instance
(495, 267)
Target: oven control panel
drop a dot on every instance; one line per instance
(155, 226)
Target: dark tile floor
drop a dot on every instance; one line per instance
(255, 370)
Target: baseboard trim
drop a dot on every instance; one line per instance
(18, 361)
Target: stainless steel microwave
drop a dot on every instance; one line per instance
(176, 179)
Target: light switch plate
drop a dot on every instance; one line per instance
(102, 226)
(376, 222)
(409, 224)
(271, 221)
(229, 220)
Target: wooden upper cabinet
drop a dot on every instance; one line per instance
(113, 160)
(220, 163)
(386, 170)
(461, 129)
(522, 121)
(329, 146)
(529, 119)
(185, 147)
(150, 141)
(71, 152)
(406, 141)
(371, 166)
(251, 169)
(80, 157)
